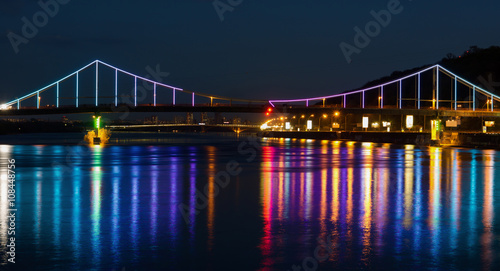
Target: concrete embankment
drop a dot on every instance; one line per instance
(457, 139)
(478, 140)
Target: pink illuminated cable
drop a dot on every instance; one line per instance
(482, 91)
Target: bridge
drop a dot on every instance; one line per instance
(101, 87)
(111, 99)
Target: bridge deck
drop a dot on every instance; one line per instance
(245, 109)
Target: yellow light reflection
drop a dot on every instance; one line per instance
(367, 217)
(323, 207)
(456, 195)
(409, 167)
(488, 235)
(350, 179)
(96, 198)
(367, 198)
(211, 195)
(266, 202)
(434, 186)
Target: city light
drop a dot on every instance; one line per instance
(265, 126)
(97, 122)
(409, 121)
(309, 124)
(365, 122)
(435, 128)
(269, 111)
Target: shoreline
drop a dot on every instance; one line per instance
(472, 140)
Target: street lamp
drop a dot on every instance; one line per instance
(324, 116)
(309, 125)
(309, 122)
(379, 100)
(301, 117)
(336, 115)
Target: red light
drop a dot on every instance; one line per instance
(269, 111)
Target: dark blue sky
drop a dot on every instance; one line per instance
(262, 49)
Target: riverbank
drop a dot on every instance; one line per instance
(30, 127)
(451, 139)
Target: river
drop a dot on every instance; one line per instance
(219, 202)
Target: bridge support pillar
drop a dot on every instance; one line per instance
(154, 94)
(474, 99)
(77, 75)
(363, 100)
(116, 87)
(381, 99)
(135, 91)
(97, 84)
(455, 96)
(418, 89)
(57, 94)
(173, 96)
(400, 93)
(437, 87)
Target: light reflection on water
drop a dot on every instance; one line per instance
(416, 210)
(378, 206)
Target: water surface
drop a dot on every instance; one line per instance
(198, 202)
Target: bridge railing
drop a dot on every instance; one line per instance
(478, 99)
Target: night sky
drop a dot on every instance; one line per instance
(260, 50)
